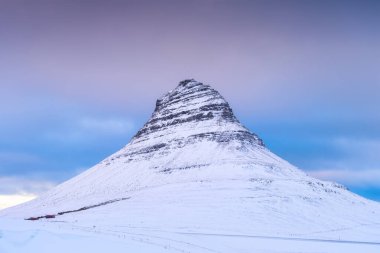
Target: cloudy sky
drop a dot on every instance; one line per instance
(79, 78)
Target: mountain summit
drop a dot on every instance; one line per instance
(194, 167)
(195, 110)
(190, 115)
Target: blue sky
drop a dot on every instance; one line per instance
(79, 78)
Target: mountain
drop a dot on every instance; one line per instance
(194, 168)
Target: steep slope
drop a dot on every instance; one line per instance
(194, 167)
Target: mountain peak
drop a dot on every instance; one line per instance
(188, 82)
(194, 108)
(184, 89)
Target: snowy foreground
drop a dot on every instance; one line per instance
(192, 217)
(43, 236)
(193, 179)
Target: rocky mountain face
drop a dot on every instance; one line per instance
(192, 103)
(192, 112)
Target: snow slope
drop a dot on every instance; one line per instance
(194, 179)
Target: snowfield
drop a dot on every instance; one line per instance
(193, 179)
(62, 237)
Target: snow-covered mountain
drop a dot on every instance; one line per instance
(194, 168)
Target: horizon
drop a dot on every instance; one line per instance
(78, 79)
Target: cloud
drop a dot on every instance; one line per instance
(19, 157)
(16, 190)
(351, 178)
(23, 186)
(89, 128)
(107, 125)
(355, 154)
(365, 149)
(14, 199)
(356, 167)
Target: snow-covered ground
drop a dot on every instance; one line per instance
(47, 236)
(206, 216)
(193, 179)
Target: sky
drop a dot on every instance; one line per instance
(79, 78)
